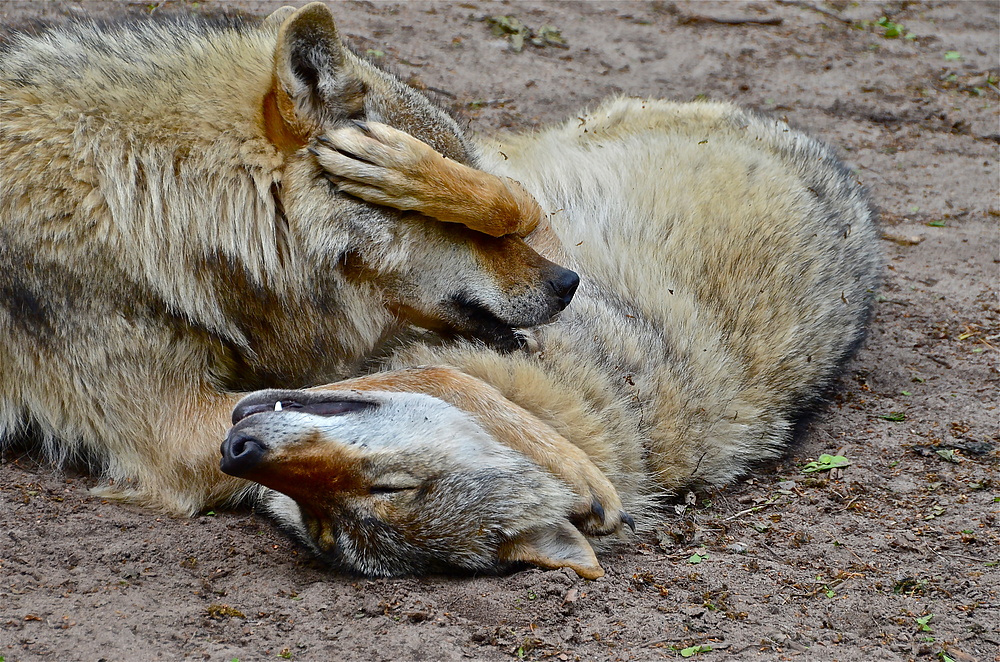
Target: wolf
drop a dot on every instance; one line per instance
(170, 238)
(728, 265)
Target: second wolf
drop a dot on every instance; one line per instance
(728, 268)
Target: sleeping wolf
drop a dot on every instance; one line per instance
(728, 266)
(169, 234)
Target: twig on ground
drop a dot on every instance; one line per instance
(965, 557)
(685, 19)
(751, 510)
(940, 362)
(849, 504)
(820, 10)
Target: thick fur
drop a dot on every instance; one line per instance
(169, 234)
(728, 265)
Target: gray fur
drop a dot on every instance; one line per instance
(729, 265)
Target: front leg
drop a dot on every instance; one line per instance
(385, 166)
(599, 510)
(168, 460)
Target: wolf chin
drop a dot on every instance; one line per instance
(728, 266)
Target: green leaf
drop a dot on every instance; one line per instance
(923, 621)
(948, 455)
(936, 224)
(892, 30)
(694, 650)
(697, 558)
(951, 56)
(894, 416)
(551, 36)
(826, 462)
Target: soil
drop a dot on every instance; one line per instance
(893, 557)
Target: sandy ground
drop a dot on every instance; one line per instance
(893, 558)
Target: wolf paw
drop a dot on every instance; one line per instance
(376, 163)
(597, 521)
(385, 166)
(171, 504)
(600, 512)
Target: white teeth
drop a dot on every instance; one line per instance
(277, 406)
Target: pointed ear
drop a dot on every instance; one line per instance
(312, 84)
(277, 17)
(553, 546)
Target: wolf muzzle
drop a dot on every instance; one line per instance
(241, 452)
(244, 448)
(564, 285)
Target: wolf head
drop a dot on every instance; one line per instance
(390, 484)
(437, 276)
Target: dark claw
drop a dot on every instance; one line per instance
(362, 126)
(326, 141)
(314, 151)
(627, 519)
(598, 509)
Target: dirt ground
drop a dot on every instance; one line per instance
(891, 558)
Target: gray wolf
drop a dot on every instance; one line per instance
(728, 268)
(169, 236)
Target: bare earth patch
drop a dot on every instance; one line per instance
(890, 558)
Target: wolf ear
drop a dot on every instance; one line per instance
(312, 85)
(277, 17)
(554, 546)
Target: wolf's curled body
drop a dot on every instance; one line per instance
(728, 266)
(168, 234)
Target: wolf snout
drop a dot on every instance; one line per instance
(241, 452)
(262, 401)
(564, 285)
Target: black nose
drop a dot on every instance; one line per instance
(564, 286)
(241, 452)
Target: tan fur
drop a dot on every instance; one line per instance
(515, 428)
(729, 265)
(169, 235)
(411, 175)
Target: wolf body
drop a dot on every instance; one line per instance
(728, 268)
(168, 236)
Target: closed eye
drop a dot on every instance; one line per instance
(394, 483)
(390, 489)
